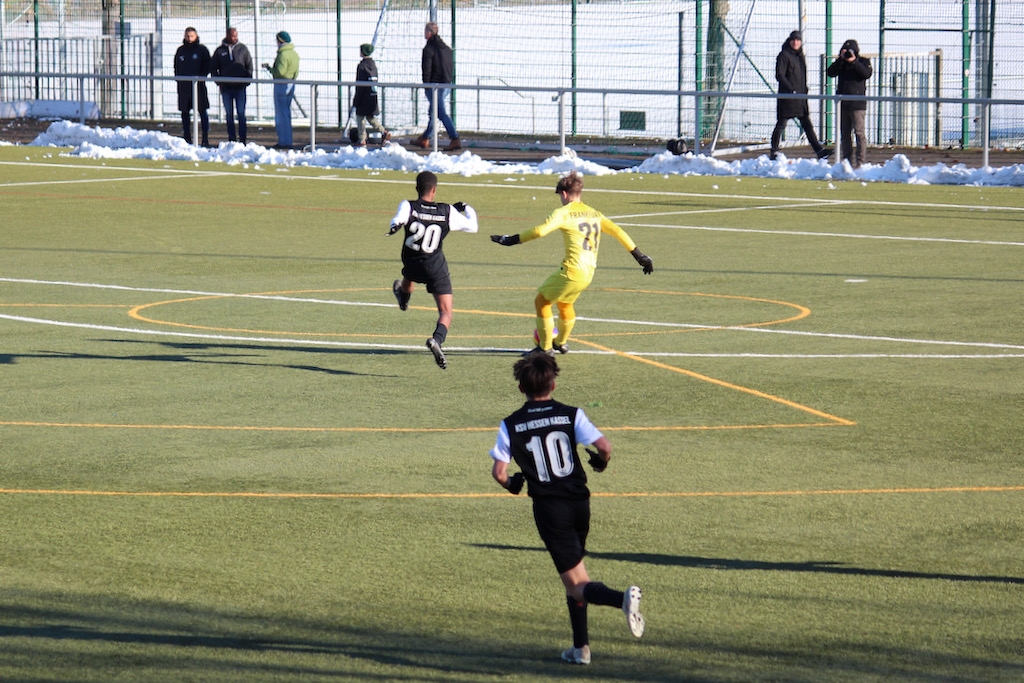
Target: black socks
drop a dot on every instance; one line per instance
(599, 594)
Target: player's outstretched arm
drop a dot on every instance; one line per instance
(644, 260)
(506, 240)
(401, 217)
(463, 223)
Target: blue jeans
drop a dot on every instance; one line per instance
(283, 94)
(234, 100)
(442, 115)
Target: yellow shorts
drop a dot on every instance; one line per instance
(559, 288)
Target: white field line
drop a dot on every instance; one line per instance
(807, 233)
(188, 292)
(493, 349)
(648, 323)
(514, 183)
(690, 212)
(87, 181)
(784, 203)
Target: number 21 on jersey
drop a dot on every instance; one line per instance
(591, 234)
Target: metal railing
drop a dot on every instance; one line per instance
(88, 83)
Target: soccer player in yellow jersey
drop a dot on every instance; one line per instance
(581, 227)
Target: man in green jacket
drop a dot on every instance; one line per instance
(286, 66)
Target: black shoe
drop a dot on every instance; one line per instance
(403, 298)
(773, 155)
(561, 348)
(537, 349)
(435, 349)
(824, 153)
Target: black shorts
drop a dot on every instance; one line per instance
(437, 281)
(563, 524)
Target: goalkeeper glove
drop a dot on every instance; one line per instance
(395, 227)
(644, 260)
(460, 206)
(596, 461)
(506, 240)
(515, 483)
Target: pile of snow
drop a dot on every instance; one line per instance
(128, 143)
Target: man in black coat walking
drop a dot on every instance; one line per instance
(791, 72)
(438, 68)
(852, 72)
(193, 59)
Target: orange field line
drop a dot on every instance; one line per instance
(663, 494)
(722, 383)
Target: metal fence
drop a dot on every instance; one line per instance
(555, 104)
(963, 49)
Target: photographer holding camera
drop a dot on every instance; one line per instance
(852, 72)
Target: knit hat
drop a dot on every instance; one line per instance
(284, 37)
(795, 35)
(366, 49)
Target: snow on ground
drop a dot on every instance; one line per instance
(128, 143)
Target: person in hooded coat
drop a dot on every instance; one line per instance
(193, 59)
(852, 72)
(364, 101)
(791, 72)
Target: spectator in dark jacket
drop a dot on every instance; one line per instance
(232, 59)
(364, 101)
(193, 59)
(438, 67)
(791, 72)
(852, 72)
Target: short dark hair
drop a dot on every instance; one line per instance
(425, 182)
(572, 183)
(536, 374)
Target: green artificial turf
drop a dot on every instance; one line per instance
(225, 454)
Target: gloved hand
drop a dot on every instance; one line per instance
(596, 461)
(515, 483)
(506, 240)
(644, 260)
(394, 228)
(460, 207)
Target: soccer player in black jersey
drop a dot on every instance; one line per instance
(426, 224)
(542, 437)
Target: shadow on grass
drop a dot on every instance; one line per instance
(73, 637)
(243, 355)
(759, 565)
(65, 636)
